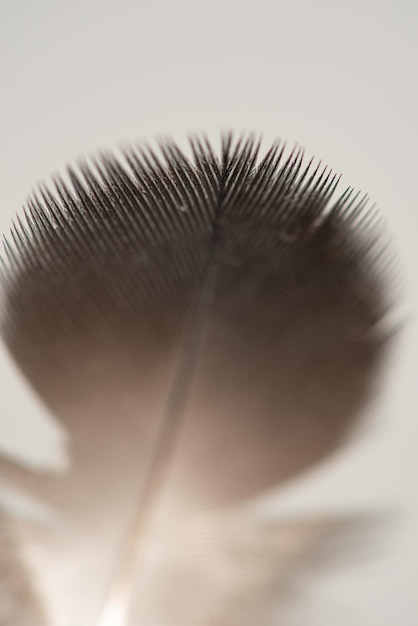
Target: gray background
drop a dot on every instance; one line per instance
(337, 77)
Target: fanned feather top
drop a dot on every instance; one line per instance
(205, 326)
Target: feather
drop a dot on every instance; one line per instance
(205, 327)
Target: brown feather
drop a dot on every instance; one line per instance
(205, 329)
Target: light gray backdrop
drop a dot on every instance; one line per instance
(340, 78)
